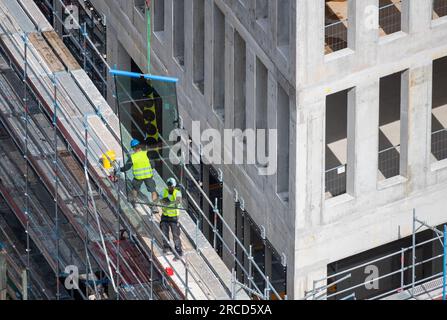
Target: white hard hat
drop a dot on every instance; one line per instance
(171, 182)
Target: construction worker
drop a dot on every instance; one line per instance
(142, 170)
(171, 200)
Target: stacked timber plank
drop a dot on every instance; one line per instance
(61, 50)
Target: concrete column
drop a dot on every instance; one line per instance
(119, 58)
(417, 16)
(310, 42)
(309, 155)
(209, 53)
(274, 19)
(198, 35)
(189, 41)
(251, 5)
(419, 99)
(271, 30)
(229, 76)
(363, 145)
(351, 135)
(272, 116)
(363, 32)
(296, 206)
(169, 27)
(251, 89)
(293, 63)
(305, 277)
(404, 122)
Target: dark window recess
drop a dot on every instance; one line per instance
(213, 188)
(336, 145)
(336, 25)
(390, 126)
(265, 256)
(390, 16)
(439, 114)
(439, 8)
(216, 196)
(47, 9)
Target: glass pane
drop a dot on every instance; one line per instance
(147, 110)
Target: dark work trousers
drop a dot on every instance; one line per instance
(174, 226)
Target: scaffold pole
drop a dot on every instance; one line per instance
(444, 271)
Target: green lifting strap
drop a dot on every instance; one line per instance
(149, 33)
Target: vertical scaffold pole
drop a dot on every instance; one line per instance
(152, 270)
(25, 285)
(444, 262)
(186, 279)
(197, 233)
(267, 288)
(402, 269)
(413, 256)
(250, 266)
(3, 273)
(27, 171)
(86, 235)
(84, 45)
(118, 230)
(56, 186)
(233, 284)
(149, 34)
(216, 210)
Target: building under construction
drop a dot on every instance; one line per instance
(356, 92)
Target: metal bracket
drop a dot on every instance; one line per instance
(283, 259)
(263, 232)
(25, 37)
(180, 122)
(236, 196)
(242, 204)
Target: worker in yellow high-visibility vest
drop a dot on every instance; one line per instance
(142, 171)
(171, 200)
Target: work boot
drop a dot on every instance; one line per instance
(133, 198)
(154, 209)
(179, 257)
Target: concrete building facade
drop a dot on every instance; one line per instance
(272, 65)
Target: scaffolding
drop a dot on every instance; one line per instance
(430, 287)
(16, 262)
(212, 224)
(39, 83)
(54, 184)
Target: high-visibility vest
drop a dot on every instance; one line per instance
(168, 212)
(141, 166)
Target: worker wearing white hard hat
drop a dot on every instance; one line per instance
(171, 200)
